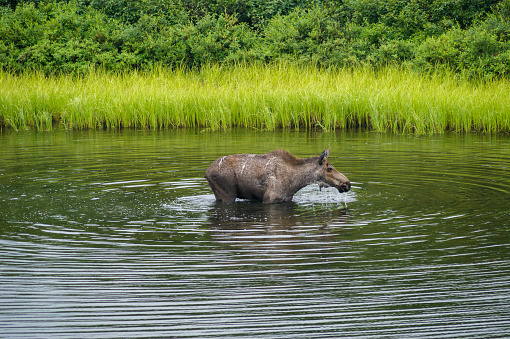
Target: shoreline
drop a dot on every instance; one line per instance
(279, 96)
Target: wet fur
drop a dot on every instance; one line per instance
(272, 177)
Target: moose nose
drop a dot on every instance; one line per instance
(345, 187)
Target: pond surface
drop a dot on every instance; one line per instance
(117, 234)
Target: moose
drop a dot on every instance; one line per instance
(272, 178)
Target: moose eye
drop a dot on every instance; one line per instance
(330, 169)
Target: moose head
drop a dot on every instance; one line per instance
(328, 176)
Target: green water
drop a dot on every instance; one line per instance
(117, 234)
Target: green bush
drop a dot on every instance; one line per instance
(483, 50)
(76, 35)
(213, 39)
(169, 12)
(312, 36)
(303, 35)
(219, 39)
(255, 13)
(23, 27)
(55, 38)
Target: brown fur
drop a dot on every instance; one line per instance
(272, 177)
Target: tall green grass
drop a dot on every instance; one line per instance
(264, 97)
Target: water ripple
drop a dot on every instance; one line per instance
(119, 235)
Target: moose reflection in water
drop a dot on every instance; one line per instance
(273, 177)
(246, 213)
(247, 221)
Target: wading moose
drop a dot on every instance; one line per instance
(272, 177)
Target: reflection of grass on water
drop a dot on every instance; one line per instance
(264, 97)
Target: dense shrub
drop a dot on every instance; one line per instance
(411, 17)
(55, 37)
(255, 13)
(311, 36)
(303, 35)
(219, 39)
(168, 12)
(470, 37)
(213, 39)
(482, 50)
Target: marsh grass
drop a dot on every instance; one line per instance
(263, 97)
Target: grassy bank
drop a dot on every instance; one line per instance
(264, 97)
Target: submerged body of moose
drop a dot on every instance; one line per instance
(273, 177)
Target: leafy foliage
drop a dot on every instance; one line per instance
(73, 36)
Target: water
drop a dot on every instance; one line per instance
(106, 234)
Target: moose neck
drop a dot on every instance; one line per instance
(304, 174)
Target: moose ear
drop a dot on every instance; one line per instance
(323, 156)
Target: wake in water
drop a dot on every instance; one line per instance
(309, 196)
(192, 203)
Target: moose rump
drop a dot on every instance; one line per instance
(272, 177)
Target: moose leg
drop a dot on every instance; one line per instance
(223, 192)
(269, 198)
(272, 195)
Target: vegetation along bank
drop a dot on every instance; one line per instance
(258, 96)
(421, 66)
